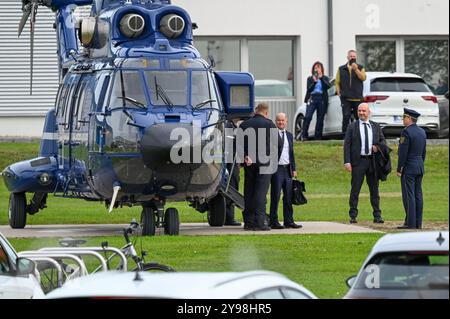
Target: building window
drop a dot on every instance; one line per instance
(226, 53)
(429, 59)
(271, 63)
(270, 60)
(377, 56)
(424, 56)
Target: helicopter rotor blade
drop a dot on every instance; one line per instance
(23, 20)
(33, 10)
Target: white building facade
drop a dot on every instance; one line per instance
(277, 41)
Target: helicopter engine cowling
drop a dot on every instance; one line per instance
(132, 25)
(172, 26)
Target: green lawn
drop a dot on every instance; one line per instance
(319, 165)
(321, 263)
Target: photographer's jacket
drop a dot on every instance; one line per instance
(351, 86)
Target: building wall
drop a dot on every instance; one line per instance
(304, 20)
(386, 17)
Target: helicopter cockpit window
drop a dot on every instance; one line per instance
(185, 64)
(141, 63)
(168, 88)
(203, 93)
(119, 136)
(128, 91)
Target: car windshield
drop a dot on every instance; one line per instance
(406, 271)
(399, 85)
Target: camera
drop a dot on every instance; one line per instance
(352, 61)
(316, 74)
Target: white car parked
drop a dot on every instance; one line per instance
(145, 285)
(404, 266)
(17, 279)
(387, 94)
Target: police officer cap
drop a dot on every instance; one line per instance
(412, 113)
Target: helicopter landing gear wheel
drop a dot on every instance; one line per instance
(17, 214)
(217, 211)
(148, 222)
(171, 222)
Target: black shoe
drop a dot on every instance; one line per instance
(378, 221)
(293, 225)
(276, 226)
(353, 221)
(403, 227)
(263, 228)
(249, 228)
(233, 223)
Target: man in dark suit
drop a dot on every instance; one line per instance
(257, 182)
(411, 158)
(282, 179)
(361, 140)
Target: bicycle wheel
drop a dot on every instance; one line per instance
(156, 267)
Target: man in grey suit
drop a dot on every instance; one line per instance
(361, 140)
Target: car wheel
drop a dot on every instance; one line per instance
(17, 214)
(299, 127)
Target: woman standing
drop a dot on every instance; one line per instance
(316, 99)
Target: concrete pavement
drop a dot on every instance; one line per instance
(195, 229)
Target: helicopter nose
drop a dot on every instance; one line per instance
(157, 145)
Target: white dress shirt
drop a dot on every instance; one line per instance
(363, 137)
(284, 158)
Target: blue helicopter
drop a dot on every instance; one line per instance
(129, 76)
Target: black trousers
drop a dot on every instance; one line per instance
(349, 108)
(413, 200)
(234, 182)
(364, 169)
(281, 180)
(256, 187)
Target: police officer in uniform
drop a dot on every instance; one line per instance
(411, 159)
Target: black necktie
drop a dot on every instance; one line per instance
(366, 131)
(283, 138)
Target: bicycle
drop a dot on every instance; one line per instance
(50, 279)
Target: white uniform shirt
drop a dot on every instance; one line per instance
(284, 158)
(363, 138)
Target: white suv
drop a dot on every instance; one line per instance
(387, 94)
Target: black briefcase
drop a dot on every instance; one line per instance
(298, 188)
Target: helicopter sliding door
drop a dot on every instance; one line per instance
(64, 119)
(78, 147)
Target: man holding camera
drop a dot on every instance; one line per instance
(349, 82)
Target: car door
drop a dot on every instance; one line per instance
(333, 118)
(12, 287)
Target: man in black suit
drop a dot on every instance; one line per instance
(257, 178)
(361, 140)
(282, 179)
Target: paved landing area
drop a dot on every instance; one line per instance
(197, 229)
